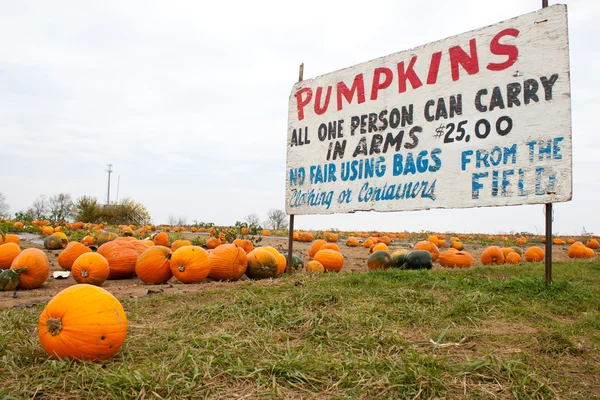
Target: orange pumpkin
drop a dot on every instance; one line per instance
(91, 268)
(18, 225)
(593, 244)
(367, 243)
(161, 239)
(121, 256)
(331, 246)
(433, 239)
(453, 258)
(534, 254)
(266, 232)
(140, 245)
(352, 242)
(228, 262)
(385, 239)
(492, 256)
(213, 243)
(153, 266)
(82, 322)
(457, 245)
(315, 266)
(512, 258)
(332, 260)
(578, 250)
(506, 251)
(37, 268)
(379, 246)
(428, 246)
(190, 264)
(180, 243)
(306, 237)
(9, 238)
(47, 230)
(88, 240)
(590, 252)
(332, 238)
(244, 244)
(8, 252)
(315, 247)
(67, 257)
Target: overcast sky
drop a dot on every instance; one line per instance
(188, 100)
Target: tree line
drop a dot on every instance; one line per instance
(62, 208)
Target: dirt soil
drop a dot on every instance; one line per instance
(356, 260)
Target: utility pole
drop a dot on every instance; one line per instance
(118, 184)
(109, 170)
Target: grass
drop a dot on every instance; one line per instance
(496, 332)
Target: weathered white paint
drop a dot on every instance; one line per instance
(542, 44)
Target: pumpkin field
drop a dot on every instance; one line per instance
(202, 311)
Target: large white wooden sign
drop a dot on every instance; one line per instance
(478, 119)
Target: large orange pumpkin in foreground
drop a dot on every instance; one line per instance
(67, 257)
(90, 268)
(228, 262)
(190, 264)
(82, 322)
(37, 268)
(153, 266)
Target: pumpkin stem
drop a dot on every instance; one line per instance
(54, 326)
(84, 273)
(181, 268)
(168, 255)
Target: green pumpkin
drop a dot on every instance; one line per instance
(261, 266)
(105, 237)
(418, 259)
(297, 263)
(380, 259)
(399, 258)
(9, 279)
(53, 243)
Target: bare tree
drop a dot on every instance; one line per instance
(4, 207)
(253, 219)
(39, 208)
(60, 207)
(181, 221)
(172, 220)
(277, 219)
